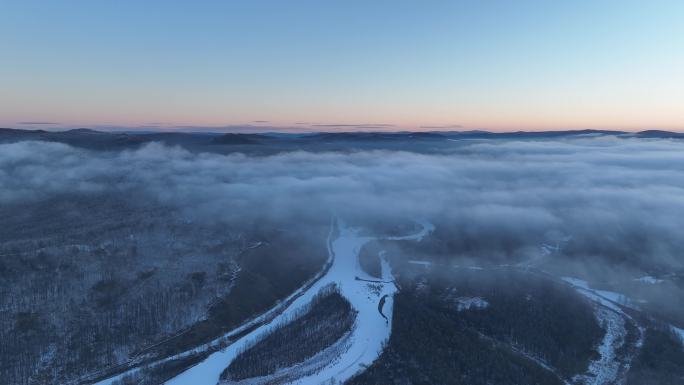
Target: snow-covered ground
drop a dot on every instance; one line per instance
(648, 279)
(261, 319)
(606, 368)
(606, 298)
(302, 369)
(370, 331)
(422, 263)
(679, 332)
(466, 303)
(612, 318)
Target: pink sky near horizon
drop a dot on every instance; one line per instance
(491, 65)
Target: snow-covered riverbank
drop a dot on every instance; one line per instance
(365, 342)
(607, 368)
(370, 332)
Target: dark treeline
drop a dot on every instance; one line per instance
(125, 276)
(661, 359)
(527, 321)
(319, 325)
(428, 346)
(546, 319)
(369, 258)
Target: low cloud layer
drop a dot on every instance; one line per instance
(612, 197)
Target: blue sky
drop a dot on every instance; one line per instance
(498, 65)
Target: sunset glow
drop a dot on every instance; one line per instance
(311, 65)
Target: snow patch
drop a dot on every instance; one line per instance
(547, 249)
(422, 263)
(648, 279)
(606, 298)
(679, 332)
(472, 267)
(467, 303)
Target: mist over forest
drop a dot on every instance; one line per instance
(602, 197)
(342, 192)
(162, 247)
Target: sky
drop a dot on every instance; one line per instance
(342, 65)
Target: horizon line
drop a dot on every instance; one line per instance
(241, 129)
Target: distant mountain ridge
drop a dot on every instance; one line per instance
(93, 139)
